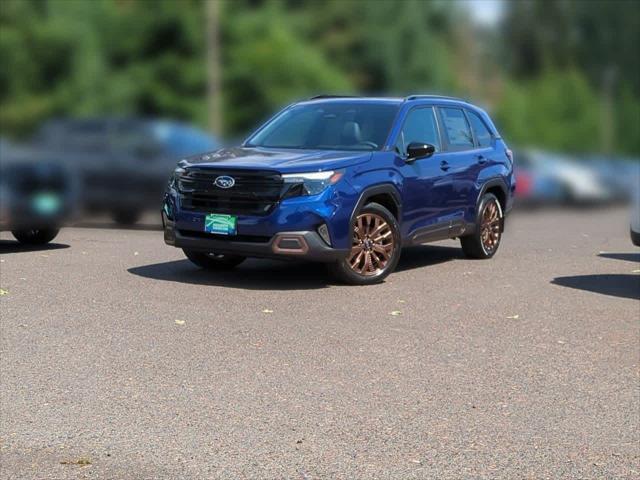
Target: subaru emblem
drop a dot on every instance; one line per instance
(224, 181)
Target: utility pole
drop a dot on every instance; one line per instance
(608, 114)
(214, 69)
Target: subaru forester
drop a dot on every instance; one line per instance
(348, 181)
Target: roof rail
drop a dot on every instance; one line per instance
(317, 97)
(443, 97)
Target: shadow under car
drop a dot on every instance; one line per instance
(262, 274)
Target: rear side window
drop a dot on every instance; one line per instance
(457, 129)
(483, 135)
(419, 126)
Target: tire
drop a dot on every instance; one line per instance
(212, 261)
(359, 267)
(125, 217)
(36, 236)
(483, 243)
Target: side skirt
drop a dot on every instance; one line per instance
(439, 232)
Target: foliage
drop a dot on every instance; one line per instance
(557, 110)
(550, 72)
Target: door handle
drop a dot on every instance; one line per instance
(482, 159)
(444, 165)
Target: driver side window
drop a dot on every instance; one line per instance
(419, 126)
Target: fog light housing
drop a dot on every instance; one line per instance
(167, 208)
(323, 231)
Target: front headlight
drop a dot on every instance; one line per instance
(175, 176)
(310, 183)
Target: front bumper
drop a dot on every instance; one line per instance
(289, 231)
(301, 244)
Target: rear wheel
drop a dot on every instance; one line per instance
(375, 247)
(35, 236)
(213, 261)
(484, 242)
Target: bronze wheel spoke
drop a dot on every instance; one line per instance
(368, 266)
(355, 262)
(355, 250)
(380, 238)
(359, 229)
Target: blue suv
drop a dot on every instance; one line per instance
(348, 181)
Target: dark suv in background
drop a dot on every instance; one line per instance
(120, 165)
(347, 181)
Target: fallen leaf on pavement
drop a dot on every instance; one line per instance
(179, 322)
(395, 313)
(514, 317)
(635, 271)
(3, 291)
(266, 310)
(79, 461)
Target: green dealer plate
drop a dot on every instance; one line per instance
(220, 224)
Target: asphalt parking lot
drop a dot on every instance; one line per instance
(119, 359)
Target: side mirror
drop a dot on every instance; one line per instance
(416, 150)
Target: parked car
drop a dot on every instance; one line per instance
(121, 164)
(568, 180)
(536, 189)
(36, 197)
(619, 176)
(346, 181)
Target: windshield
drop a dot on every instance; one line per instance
(328, 126)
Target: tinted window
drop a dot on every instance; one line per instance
(483, 135)
(329, 126)
(457, 129)
(419, 126)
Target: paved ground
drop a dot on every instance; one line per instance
(117, 352)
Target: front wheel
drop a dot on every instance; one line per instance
(35, 236)
(484, 242)
(213, 261)
(375, 247)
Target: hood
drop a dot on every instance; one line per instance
(282, 160)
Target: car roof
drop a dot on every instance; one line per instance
(442, 99)
(349, 99)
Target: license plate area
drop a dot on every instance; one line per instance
(220, 224)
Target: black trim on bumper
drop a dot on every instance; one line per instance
(635, 238)
(307, 245)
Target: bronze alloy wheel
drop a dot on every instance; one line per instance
(373, 245)
(490, 226)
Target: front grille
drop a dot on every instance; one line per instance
(254, 192)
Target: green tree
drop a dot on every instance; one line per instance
(557, 110)
(266, 65)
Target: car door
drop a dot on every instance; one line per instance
(426, 186)
(458, 161)
(485, 154)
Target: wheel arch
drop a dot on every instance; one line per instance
(499, 188)
(386, 195)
